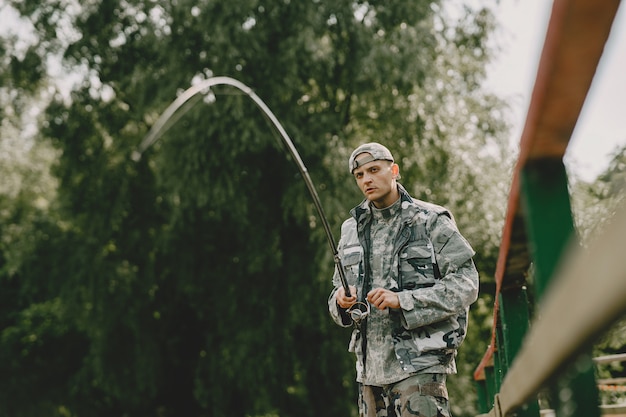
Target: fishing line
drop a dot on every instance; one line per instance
(188, 98)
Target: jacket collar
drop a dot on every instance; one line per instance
(363, 212)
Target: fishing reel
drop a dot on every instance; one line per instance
(359, 311)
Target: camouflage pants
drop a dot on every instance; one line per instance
(423, 395)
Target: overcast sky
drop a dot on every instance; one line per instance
(601, 128)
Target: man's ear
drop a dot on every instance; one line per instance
(395, 170)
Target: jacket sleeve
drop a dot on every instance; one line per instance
(339, 315)
(458, 287)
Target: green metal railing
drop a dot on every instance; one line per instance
(540, 350)
(587, 295)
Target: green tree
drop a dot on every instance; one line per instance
(194, 281)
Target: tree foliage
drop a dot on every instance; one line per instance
(194, 281)
(595, 203)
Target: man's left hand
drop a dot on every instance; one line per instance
(382, 298)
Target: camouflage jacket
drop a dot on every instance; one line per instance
(432, 319)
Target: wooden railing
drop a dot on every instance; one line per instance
(587, 295)
(544, 348)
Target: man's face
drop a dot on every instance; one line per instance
(377, 181)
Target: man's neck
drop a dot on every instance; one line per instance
(389, 199)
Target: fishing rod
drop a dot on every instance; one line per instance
(172, 114)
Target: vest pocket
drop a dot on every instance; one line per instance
(350, 264)
(416, 268)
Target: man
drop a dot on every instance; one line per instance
(404, 260)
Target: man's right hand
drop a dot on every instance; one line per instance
(342, 300)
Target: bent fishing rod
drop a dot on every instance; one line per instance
(172, 114)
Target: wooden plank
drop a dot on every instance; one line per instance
(611, 381)
(614, 410)
(618, 357)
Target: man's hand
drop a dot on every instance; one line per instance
(382, 298)
(342, 300)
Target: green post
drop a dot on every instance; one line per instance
(500, 355)
(549, 220)
(482, 396)
(515, 318)
(551, 229)
(492, 389)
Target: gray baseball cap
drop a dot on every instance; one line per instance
(377, 151)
